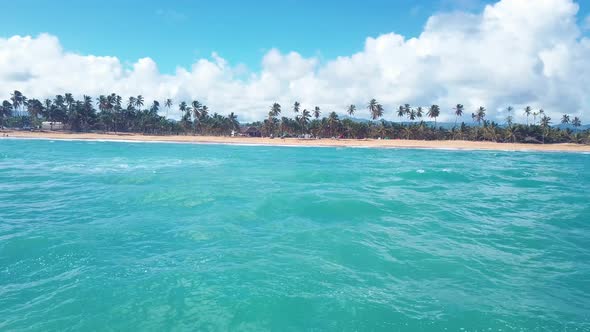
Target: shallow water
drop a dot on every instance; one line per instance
(132, 236)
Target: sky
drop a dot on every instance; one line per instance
(178, 32)
(240, 56)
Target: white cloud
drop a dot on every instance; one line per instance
(515, 52)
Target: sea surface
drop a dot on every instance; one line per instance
(111, 236)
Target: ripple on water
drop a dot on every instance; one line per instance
(183, 237)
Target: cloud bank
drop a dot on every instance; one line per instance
(515, 52)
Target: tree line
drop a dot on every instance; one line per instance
(110, 113)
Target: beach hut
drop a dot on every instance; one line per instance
(47, 125)
(250, 131)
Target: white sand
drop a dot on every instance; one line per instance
(371, 143)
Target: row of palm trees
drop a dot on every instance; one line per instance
(113, 114)
(332, 125)
(133, 115)
(376, 111)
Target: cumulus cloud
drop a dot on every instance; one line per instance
(514, 52)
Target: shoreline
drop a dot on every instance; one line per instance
(325, 142)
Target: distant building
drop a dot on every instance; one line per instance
(46, 125)
(250, 131)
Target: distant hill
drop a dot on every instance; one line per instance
(450, 125)
(566, 126)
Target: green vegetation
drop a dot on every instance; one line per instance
(111, 113)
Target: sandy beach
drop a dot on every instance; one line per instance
(369, 143)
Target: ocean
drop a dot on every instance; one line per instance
(119, 236)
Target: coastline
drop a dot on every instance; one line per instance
(325, 142)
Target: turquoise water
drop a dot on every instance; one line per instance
(135, 236)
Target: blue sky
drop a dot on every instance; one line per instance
(526, 52)
(179, 31)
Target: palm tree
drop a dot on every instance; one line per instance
(113, 99)
(59, 100)
(168, 104)
(18, 100)
(233, 120)
(375, 109)
(304, 119)
(333, 122)
(433, 112)
(458, 112)
(527, 111)
(479, 115)
(411, 114)
(275, 109)
(16, 97)
(545, 121)
(197, 106)
(115, 102)
(5, 112)
(110, 101)
(88, 111)
(101, 102)
(204, 112)
(35, 107)
(407, 108)
(535, 118)
(316, 112)
(511, 133)
(351, 109)
(509, 110)
(118, 101)
(372, 107)
(270, 122)
(69, 100)
(296, 106)
(139, 102)
(565, 119)
(419, 112)
(131, 103)
(185, 110)
(87, 100)
(7, 107)
(401, 111)
(182, 107)
(576, 122)
(186, 116)
(380, 110)
(155, 106)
